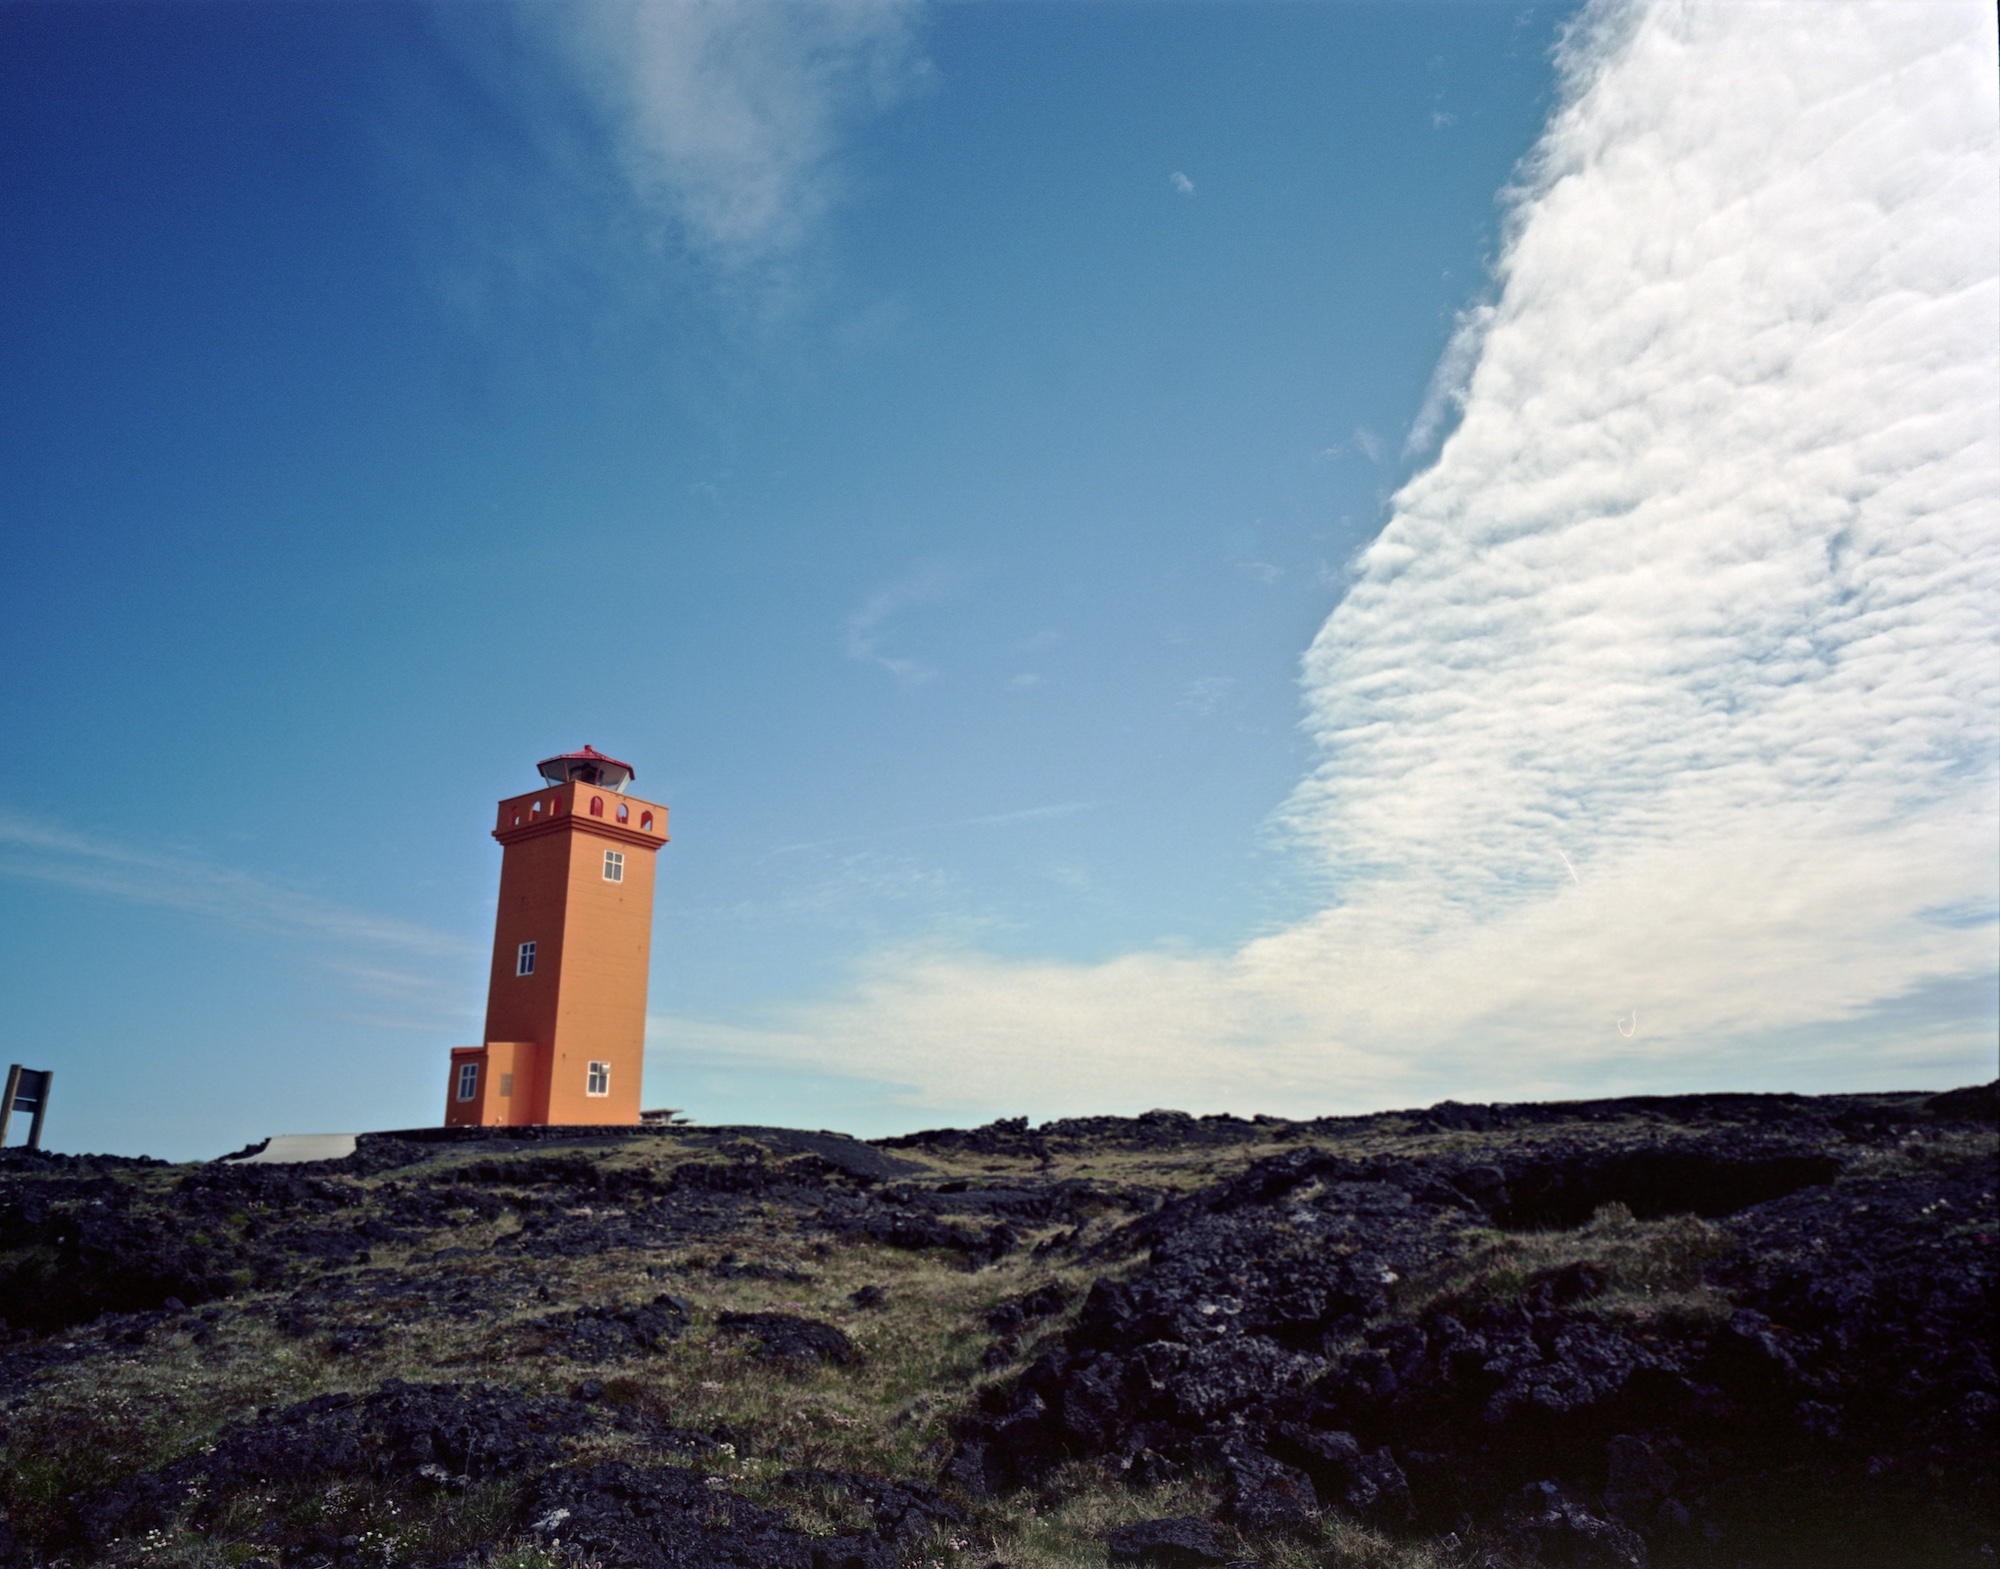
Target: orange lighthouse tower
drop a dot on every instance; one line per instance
(565, 1036)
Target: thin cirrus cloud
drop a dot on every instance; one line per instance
(729, 120)
(1204, 696)
(1446, 393)
(1026, 814)
(1657, 727)
(41, 852)
(864, 636)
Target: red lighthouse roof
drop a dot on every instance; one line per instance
(589, 766)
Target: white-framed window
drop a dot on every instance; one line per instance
(524, 961)
(468, 1080)
(614, 866)
(599, 1082)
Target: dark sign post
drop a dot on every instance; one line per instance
(27, 1090)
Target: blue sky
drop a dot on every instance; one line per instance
(970, 460)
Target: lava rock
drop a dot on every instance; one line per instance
(1264, 1493)
(473, 1431)
(601, 1334)
(1179, 1543)
(784, 1337)
(1369, 1486)
(671, 1517)
(1638, 1479)
(1550, 1528)
(1015, 1313)
(901, 1511)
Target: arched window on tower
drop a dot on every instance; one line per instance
(624, 811)
(646, 821)
(597, 806)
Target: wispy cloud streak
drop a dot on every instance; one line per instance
(1446, 393)
(1026, 814)
(91, 863)
(865, 631)
(730, 119)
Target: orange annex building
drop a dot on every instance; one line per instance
(565, 1038)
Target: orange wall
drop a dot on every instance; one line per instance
(465, 1113)
(507, 1081)
(534, 885)
(586, 1001)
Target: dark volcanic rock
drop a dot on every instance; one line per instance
(1368, 1486)
(75, 1247)
(457, 1430)
(1851, 1373)
(903, 1512)
(1974, 1103)
(1264, 1494)
(1008, 1137)
(1390, 1320)
(730, 1267)
(1031, 1307)
(1548, 1528)
(71, 1263)
(1568, 1187)
(1154, 1130)
(599, 1334)
(672, 1518)
(916, 1219)
(1011, 1319)
(1180, 1543)
(784, 1337)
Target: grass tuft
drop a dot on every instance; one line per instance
(1650, 1268)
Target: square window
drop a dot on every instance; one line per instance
(524, 961)
(599, 1082)
(614, 866)
(468, 1080)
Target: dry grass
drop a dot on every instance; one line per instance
(921, 1363)
(1063, 1525)
(920, 1359)
(1921, 1150)
(1650, 1269)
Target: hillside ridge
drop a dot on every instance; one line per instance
(1727, 1329)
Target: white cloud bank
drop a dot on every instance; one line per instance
(1700, 599)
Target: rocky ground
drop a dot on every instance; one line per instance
(1730, 1331)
